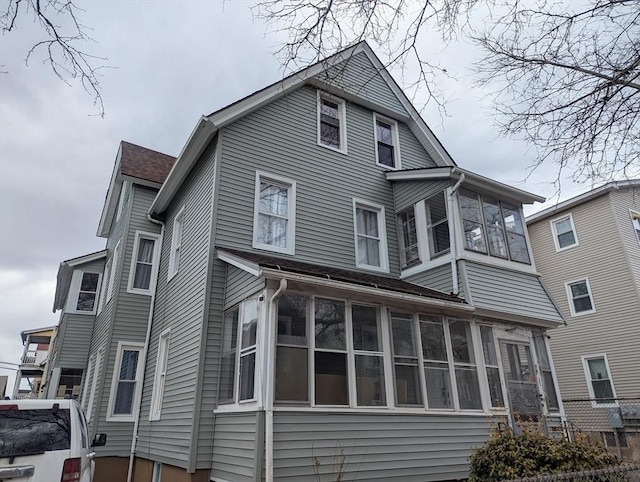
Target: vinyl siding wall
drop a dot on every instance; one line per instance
(507, 291)
(614, 328)
(129, 321)
(180, 306)
(240, 285)
(384, 447)
(326, 180)
(438, 278)
(621, 202)
(407, 193)
(234, 447)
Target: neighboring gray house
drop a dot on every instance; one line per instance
(325, 284)
(587, 250)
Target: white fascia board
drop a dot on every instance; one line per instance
(470, 179)
(111, 199)
(238, 262)
(381, 293)
(87, 258)
(197, 142)
(582, 198)
(141, 182)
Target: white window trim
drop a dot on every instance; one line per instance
(96, 372)
(396, 141)
(382, 228)
(555, 232)
(291, 222)
(567, 287)
(122, 346)
(103, 288)
(162, 362)
(134, 262)
(587, 374)
(178, 226)
(114, 265)
(74, 293)
(635, 215)
(342, 117)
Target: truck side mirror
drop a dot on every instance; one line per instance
(99, 440)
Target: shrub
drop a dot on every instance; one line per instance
(508, 456)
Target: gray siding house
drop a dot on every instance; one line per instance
(588, 252)
(328, 293)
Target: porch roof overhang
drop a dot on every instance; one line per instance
(344, 281)
(470, 179)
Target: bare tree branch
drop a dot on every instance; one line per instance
(68, 61)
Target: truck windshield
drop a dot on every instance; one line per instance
(28, 432)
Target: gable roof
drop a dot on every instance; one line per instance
(138, 165)
(207, 126)
(582, 198)
(65, 271)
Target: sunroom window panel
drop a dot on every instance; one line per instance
(403, 335)
(437, 224)
(438, 385)
(495, 229)
(249, 323)
(292, 320)
(474, 236)
(331, 378)
(434, 346)
(518, 247)
(468, 388)
(229, 351)
(330, 324)
(461, 343)
(292, 384)
(370, 386)
(408, 237)
(407, 381)
(366, 328)
(247, 374)
(495, 387)
(491, 363)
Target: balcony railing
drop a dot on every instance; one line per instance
(29, 358)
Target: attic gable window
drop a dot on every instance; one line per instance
(274, 214)
(386, 135)
(493, 227)
(331, 122)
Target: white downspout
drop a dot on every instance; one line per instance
(454, 238)
(268, 424)
(136, 421)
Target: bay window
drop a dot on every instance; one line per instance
(437, 225)
(493, 227)
(409, 254)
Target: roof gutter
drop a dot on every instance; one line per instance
(366, 290)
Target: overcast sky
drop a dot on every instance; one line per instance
(172, 61)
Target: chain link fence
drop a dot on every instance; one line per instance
(617, 473)
(613, 423)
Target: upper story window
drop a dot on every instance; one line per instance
(332, 122)
(493, 227)
(122, 199)
(580, 298)
(83, 292)
(274, 214)
(125, 386)
(437, 225)
(599, 382)
(176, 244)
(409, 254)
(239, 350)
(564, 232)
(386, 135)
(370, 236)
(142, 274)
(635, 220)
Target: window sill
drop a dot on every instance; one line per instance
(559, 250)
(379, 269)
(334, 149)
(120, 418)
(139, 291)
(273, 249)
(582, 313)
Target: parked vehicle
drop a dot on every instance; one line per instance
(45, 441)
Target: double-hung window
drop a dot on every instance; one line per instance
(103, 288)
(239, 349)
(125, 385)
(492, 366)
(162, 359)
(386, 136)
(599, 382)
(493, 227)
(580, 298)
(87, 292)
(409, 254)
(564, 232)
(144, 263)
(176, 244)
(370, 236)
(274, 214)
(437, 225)
(406, 364)
(331, 122)
(368, 355)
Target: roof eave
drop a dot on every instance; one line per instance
(111, 199)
